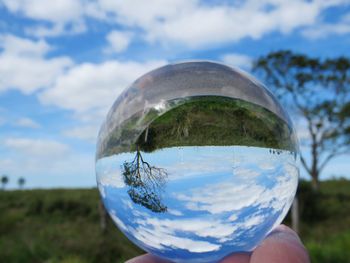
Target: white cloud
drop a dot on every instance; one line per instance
(222, 197)
(237, 60)
(64, 15)
(174, 212)
(90, 89)
(233, 217)
(16, 46)
(116, 219)
(144, 14)
(245, 173)
(83, 132)
(323, 30)
(37, 159)
(118, 41)
(205, 162)
(159, 236)
(56, 29)
(196, 24)
(190, 22)
(23, 64)
(254, 220)
(27, 123)
(36, 147)
(108, 178)
(199, 227)
(218, 213)
(234, 196)
(109, 173)
(62, 10)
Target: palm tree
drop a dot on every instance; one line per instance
(4, 181)
(21, 182)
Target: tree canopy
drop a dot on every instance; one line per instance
(318, 90)
(4, 180)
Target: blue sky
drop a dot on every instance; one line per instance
(237, 209)
(63, 63)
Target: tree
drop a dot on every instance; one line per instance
(21, 182)
(146, 182)
(4, 181)
(319, 92)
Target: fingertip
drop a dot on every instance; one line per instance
(236, 258)
(281, 245)
(286, 230)
(147, 258)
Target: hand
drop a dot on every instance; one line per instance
(282, 245)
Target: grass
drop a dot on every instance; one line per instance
(325, 216)
(201, 121)
(58, 226)
(63, 226)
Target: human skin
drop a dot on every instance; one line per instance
(281, 245)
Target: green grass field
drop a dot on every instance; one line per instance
(63, 226)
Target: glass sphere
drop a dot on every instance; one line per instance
(196, 161)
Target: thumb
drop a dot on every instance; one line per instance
(282, 245)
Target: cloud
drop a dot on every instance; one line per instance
(110, 178)
(37, 159)
(197, 24)
(17, 46)
(56, 29)
(234, 196)
(237, 60)
(222, 197)
(160, 234)
(116, 219)
(90, 89)
(23, 64)
(235, 212)
(192, 23)
(63, 10)
(83, 132)
(201, 228)
(145, 14)
(63, 15)
(38, 147)
(174, 212)
(27, 123)
(157, 235)
(205, 164)
(323, 30)
(118, 41)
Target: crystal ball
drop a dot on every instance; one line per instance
(196, 161)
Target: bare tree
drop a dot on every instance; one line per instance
(146, 183)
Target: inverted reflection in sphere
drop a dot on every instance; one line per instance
(195, 161)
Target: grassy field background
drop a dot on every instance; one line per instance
(63, 226)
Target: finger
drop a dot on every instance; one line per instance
(236, 258)
(282, 245)
(147, 258)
